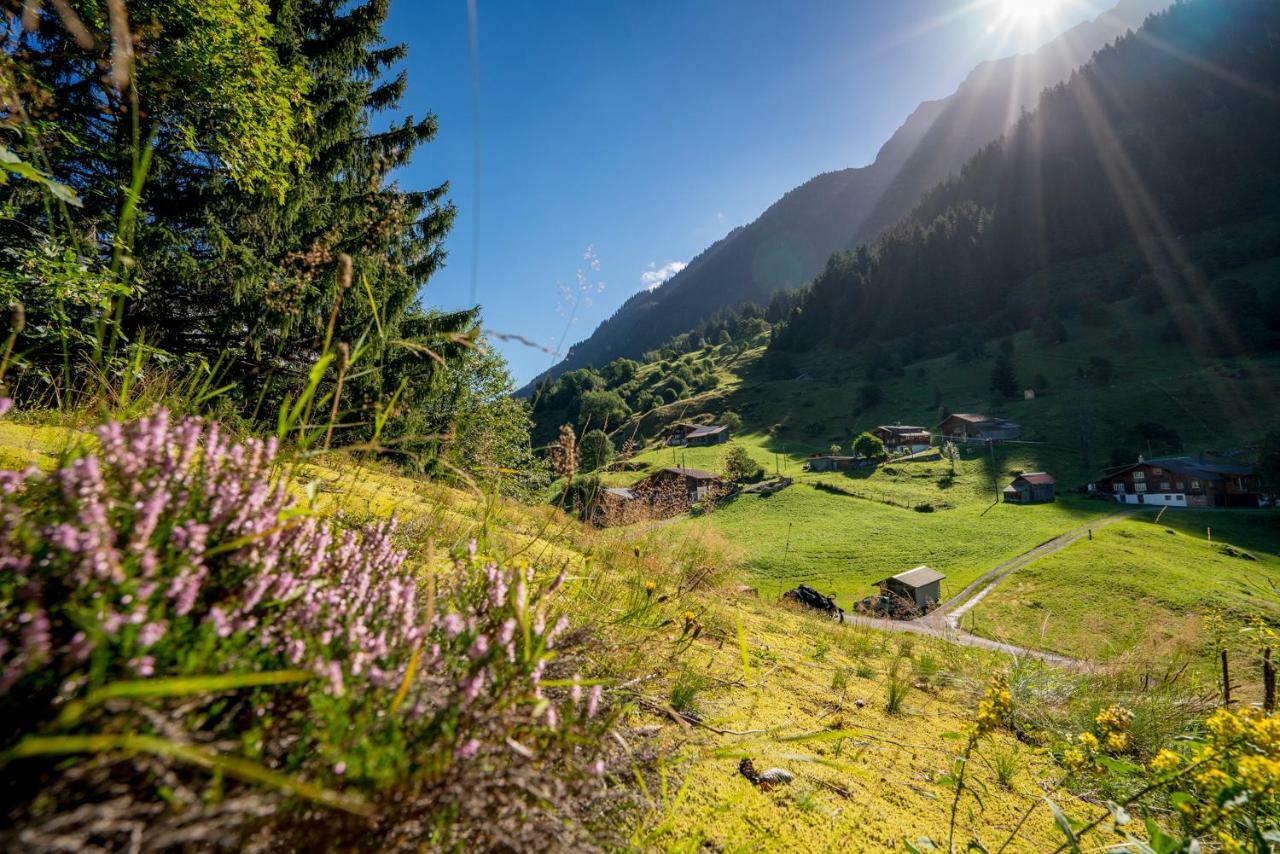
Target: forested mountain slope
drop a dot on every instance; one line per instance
(791, 241)
(1172, 131)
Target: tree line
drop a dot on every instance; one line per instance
(210, 185)
(1168, 133)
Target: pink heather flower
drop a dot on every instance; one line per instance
(339, 768)
(144, 665)
(336, 686)
(221, 625)
(555, 585)
(479, 648)
(5, 404)
(575, 693)
(468, 750)
(593, 700)
(597, 768)
(472, 687)
(553, 717)
(151, 633)
(453, 624)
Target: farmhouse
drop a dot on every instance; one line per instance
(695, 435)
(678, 485)
(712, 434)
(1033, 487)
(921, 586)
(900, 437)
(830, 462)
(971, 427)
(1181, 482)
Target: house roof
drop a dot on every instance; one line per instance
(696, 474)
(709, 430)
(1038, 478)
(915, 578)
(902, 429)
(1203, 469)
(979, 419)
(836, 457)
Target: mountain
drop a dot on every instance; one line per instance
(792, 240)
(1167, 134)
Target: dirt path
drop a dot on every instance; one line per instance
(949, 612)
(944, 621)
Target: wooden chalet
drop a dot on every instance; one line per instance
(901, 438)
(1181, 482)
(973, 427)
(1035, 487)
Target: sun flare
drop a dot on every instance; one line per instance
(1027, 12)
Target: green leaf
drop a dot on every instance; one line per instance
(1118, 766)
(1160, 841)
(1064, 824)
(231, 766)
(952, 736)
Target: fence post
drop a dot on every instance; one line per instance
(1268, 682)
(1226, 681)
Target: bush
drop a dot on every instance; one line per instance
(306, 647)
(596, 449)
(869, 447)
(739, 467)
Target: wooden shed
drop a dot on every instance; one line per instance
(921, 586)
(975, 427)
(830, 462)
(1035, 487)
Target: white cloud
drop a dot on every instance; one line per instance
(656, 275)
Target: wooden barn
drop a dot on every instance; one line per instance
(973, 427)
(712, 434)
(1035, 487)
(902, 438)
(681, 485)
(921, 586)
(1181, 482)
(830, 462)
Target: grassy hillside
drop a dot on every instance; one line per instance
(697, 679)
(1141, 584)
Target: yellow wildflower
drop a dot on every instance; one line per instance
(1074, 758)
(1118, 742)
(1165, 761)
(1114, 719)
(1230, 845)
(1089, 741)
(1213, 779)
(1225, 726)
(1260, 774)
(650, 586)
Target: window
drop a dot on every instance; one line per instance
(1180, 486)
(1178, 498)
(1165, 486)
(1195, 484)
(1117, 487)
(1156, 470)
(1139, 475)
(1139, 487)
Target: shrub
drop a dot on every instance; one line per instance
(868, 446)
(305, 645)
(739, 467)
(895, 690)
(596, 450)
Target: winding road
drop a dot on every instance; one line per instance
(944, 621)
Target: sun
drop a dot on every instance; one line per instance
(1025, 13)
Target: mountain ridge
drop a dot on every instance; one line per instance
(791, 240)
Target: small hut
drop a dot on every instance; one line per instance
(1031, 488)
(921, 586)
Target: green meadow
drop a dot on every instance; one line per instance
(1143, 585)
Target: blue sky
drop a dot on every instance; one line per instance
(647, 130)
